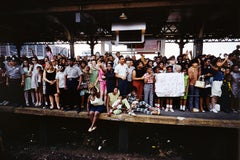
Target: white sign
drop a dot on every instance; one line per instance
(169, 84)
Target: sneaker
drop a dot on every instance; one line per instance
(92, 129)
(166, 110)
(156, 112)
(195, 110)
(215, 111)
(171, 110)
(181, 108)
(131, 113)
(36, 104)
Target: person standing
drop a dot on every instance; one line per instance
(49, 76)
(4, 92)
(137, 77)
(193, 72)
(93, 73)
(149, 79)
(27, 84)
(218, 77)
(206, 72)
(34, 81)
(102, 80)
(15, 82)
(72, 83)
(236, 87)
(60, 86)
(121, 75)
(110, 77)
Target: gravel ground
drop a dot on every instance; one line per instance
(53, 153)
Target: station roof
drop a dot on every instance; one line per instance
(54, 20)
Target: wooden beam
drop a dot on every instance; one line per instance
(148, 119)
(114, 5)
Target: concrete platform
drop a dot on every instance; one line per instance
(208, 119)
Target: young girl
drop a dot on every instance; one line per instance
(102, 80)
(84, 84)
(183, 100)
(159, 100)
(140, 106)
(34, 81)
(95, 106)
(169, 100)
(60, 85)
(194, 72)
(27, 82)
(148, 86)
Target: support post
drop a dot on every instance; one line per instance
(123, 138)
(197, 47)
(72, 54)
(181, 44)
(103, 51)
(19, 47)
(162, 47)
(92, 42)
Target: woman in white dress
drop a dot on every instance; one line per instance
(27, 82)
(34, 81)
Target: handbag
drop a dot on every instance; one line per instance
(200, 83)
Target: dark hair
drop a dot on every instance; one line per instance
(48, 49)
(121, 56)
(234, 65)
(134, 89)
(95, 91)
(228, 76)
(195, 60)
(110, 62)
(137, 63)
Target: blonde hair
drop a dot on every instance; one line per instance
(49, 66)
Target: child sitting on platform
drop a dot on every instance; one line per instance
(141, 106)
(119, 105)
(116, 105)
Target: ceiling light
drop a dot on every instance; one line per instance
(123, 16)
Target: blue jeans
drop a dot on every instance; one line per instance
(193, 97)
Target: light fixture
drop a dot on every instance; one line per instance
(123, 16)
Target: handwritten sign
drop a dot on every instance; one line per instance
(169, 84)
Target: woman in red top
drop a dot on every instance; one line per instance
(137, 77)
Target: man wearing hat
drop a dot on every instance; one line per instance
(15, 82)
(72, 81)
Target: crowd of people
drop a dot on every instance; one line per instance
(118, 84)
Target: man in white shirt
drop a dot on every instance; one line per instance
(121, 75)
(72, 81)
